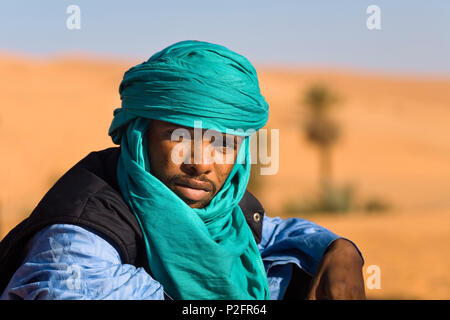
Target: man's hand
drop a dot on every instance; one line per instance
(339, 275)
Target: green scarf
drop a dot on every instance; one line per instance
(207, 253)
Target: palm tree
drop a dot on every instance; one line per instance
(322, 131)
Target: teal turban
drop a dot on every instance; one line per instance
(207, 253)
(193, 80)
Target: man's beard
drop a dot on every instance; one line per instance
(175, 180)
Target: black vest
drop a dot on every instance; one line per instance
(88, 196)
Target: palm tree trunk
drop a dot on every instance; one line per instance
(325, 174)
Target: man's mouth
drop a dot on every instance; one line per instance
(193, 189)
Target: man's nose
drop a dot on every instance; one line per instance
(200, 157)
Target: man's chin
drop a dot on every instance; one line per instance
(196, 204)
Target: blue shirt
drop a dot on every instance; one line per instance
(71, 262)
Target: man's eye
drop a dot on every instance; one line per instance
(230, 145)
(174, 136)
(224, 146)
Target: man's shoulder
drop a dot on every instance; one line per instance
(92, 177)
(87, 195)
(254, 214)
(100, 165)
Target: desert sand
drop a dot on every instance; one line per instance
(395, 146)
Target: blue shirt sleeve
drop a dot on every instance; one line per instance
(289, 242)
(294, 240)
(70, 262)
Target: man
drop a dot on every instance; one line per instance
(165, 216)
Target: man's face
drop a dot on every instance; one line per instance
(195, 182)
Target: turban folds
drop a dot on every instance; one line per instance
(189, 81)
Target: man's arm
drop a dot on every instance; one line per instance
(333, 263)
(339, 275)
(71, 262)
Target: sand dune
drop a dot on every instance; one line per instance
(396, 145)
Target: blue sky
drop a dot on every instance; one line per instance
(415, 35)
